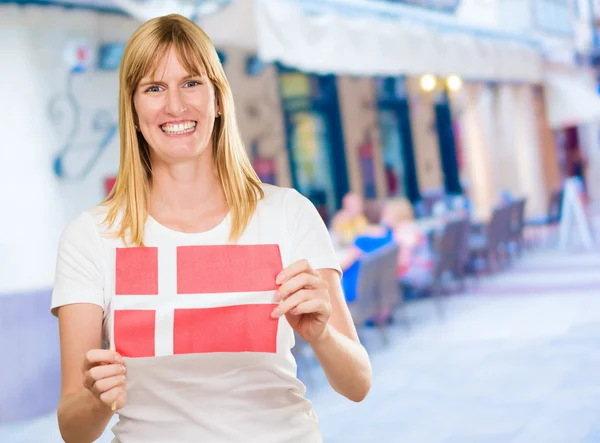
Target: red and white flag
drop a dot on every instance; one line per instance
(195, 299)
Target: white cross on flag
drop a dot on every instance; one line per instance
(195, 299)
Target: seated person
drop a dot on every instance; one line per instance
(363, 244)
(415, 259)
(350, 221)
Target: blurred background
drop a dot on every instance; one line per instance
(451, 146)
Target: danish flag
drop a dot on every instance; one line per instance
(195, 299)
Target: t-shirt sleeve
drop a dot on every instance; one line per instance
(79, 271)
(308, 235)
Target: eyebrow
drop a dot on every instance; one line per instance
(154, 82)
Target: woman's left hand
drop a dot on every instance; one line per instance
(305, 301)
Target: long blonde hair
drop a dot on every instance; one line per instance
(398, 210)
(145, 50)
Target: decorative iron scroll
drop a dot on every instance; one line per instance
(64, 109)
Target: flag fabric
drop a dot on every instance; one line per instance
(195, 299)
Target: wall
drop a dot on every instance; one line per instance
(258, 109)
(501, 145)
(550, 22)
(547, 144)
(38, 204)
(483, 13)
(515, 15)
(582, 25)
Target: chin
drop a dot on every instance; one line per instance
(185, 152)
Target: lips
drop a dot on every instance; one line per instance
(178, 128)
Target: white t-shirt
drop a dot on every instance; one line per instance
(191, 314)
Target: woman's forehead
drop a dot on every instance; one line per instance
(171, 62)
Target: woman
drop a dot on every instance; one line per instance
(194, 273)
(415, 260)
(350, 221)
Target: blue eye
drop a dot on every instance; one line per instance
(192, 83)
(153, 89)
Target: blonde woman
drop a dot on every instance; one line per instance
(195, 274)
(415, 260)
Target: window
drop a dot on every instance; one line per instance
(553, 16)
(576, 9)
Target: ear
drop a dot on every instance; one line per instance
(134, 116)
(217, 101)
(218, 112)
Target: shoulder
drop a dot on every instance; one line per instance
(282, 198)
(83, 225)
(87, 224)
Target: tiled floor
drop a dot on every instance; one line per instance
(514, 361)
(506, 365)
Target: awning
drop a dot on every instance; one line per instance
(352, 37)
(570, 101)
(357, 37)
(360, 37)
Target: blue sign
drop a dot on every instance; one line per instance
(109, 56)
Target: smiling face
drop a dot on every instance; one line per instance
(176, 111)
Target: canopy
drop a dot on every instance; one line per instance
(570, 101)
(360, 37)
(353, 37)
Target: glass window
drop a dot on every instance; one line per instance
(310, 143)
(307, 107)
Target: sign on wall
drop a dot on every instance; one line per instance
(109, 56)
(77, 55)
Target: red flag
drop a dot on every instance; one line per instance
(220, 300)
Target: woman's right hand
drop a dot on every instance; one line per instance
(104, 376)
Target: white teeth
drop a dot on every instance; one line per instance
(179, 128)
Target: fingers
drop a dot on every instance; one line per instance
(294, 269)
(100, 372)
(311, 298)
(104, 376)
(310, 307)
(106, 384)
(96, 357)
(113, 396)
(298, 282)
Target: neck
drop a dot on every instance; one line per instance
(185, 191)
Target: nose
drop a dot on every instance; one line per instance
(174, 105)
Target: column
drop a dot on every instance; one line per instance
(527, 148)
(475, 120)
(425, 139)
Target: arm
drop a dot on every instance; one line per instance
(314, 306)
(314, 303)
(344, 360)
(83, 416)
